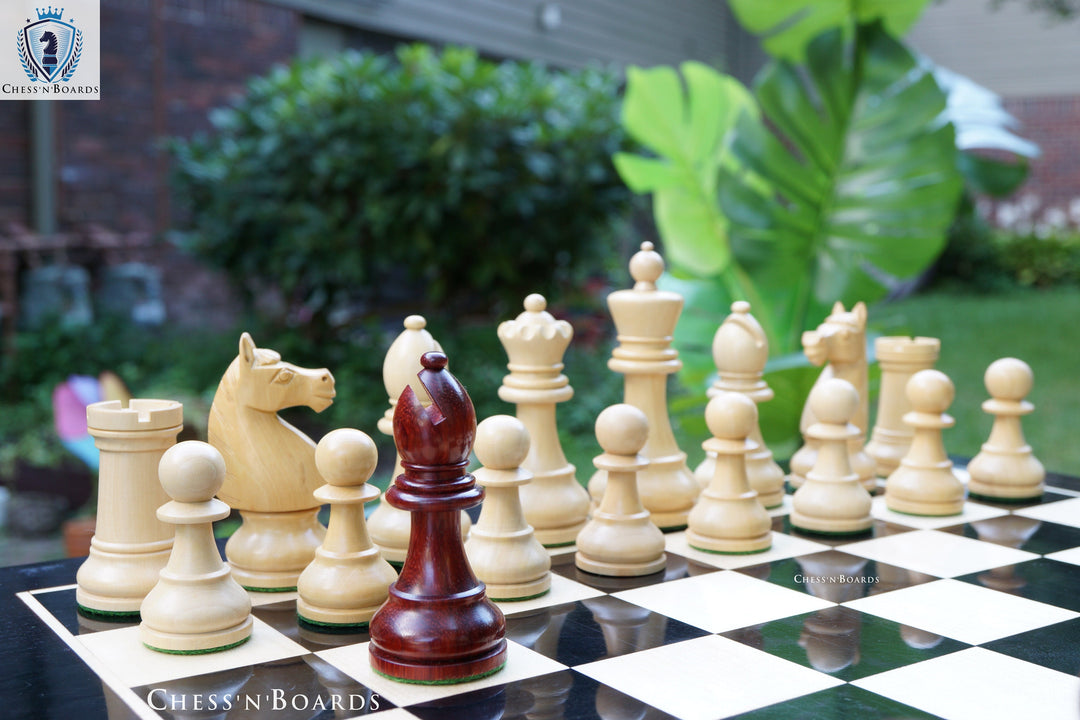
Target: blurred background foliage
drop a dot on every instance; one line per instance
(340, 196)
(432, 178)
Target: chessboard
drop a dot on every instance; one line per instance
(970, 616)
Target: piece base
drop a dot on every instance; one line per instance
(98, 603)
(976, 495)
(268, 589)
(352, 617)
(516, 592)
(597, 567)
(833, 533)
(773, 500)
(195, 643)
(456, 681)
(558, 537)
(831, 526)
(905, 507)
(729, 546)
(205, 651)
(670, 521)
(107, 615)
(441, 673)
(332, 628)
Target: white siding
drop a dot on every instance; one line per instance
(640, 32)
(1011, 50)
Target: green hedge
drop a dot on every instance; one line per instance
(438, 176)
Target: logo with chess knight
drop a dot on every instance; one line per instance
(50, 47)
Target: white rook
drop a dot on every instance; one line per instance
(130, 545)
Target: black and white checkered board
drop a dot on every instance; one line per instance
(976, 616)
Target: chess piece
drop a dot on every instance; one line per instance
(645, 318)
(502, 548)
(1013, 531)
(271, 473)
(196, 606)
(728, 517)
(348, 579)
(621, 539)
(437, 626)
(388, 525)
(832, 500)
(555, 504)
(900, 358)
(841, 342)
(1005, 468)
(925, 483)
(740, 350)
(130, 544)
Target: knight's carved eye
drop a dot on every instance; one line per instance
(284, 376)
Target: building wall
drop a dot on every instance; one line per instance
(640, 32)
(164, 65)
(1011, 50)
(1033, 62)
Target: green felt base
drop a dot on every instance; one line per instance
(455, 681)
(673, 528)
(911, 514)
(107, 615)
(331, 628)
(520, 599)
(725, 552)
(270, 590)
(198, 652)
(829, 533)
(558, 545)
(1005, 501)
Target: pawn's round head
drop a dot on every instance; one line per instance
(346, 457)
(834, 401)
(930, 391)
(622, 430)
(502, 442)
(1009, 379)
(731, 416)
(191, 471)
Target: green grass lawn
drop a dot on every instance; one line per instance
(1041, 328)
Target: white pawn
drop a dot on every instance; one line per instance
(740, 350)
(502, 548)
(1005, 468)
(196, 607)
(348, 579)
(621, 539)
(832, 500)
(925, 483)
(728, 517)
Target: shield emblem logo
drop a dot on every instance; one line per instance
(49, 44)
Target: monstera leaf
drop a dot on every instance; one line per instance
(983, 124)
(687, 129)
(685, 119)
(862, 176)
(786, 27)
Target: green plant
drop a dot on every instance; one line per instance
(845, 185)
(439, 175)
(1041, 261)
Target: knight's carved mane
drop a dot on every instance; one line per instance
(854, 372)
(269, 464)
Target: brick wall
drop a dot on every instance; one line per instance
(165, 64)
(14, 162)
(1054, 182)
